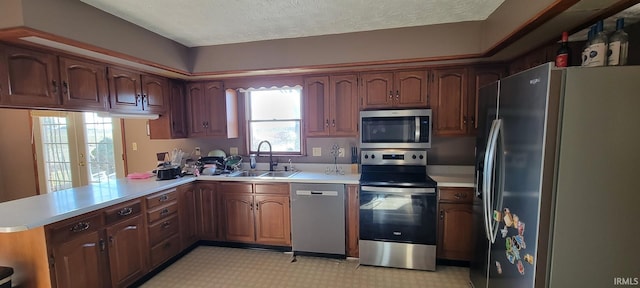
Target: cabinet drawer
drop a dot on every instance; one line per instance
(272, 188)
(74, 227)
(161, 198)
(165, 250)
(236, 187)
(163, 230)
(457, 195)
(123, 211)
(162, 212)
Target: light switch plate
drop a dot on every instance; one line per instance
(317, 151)
(233, 150)
(197, 152)
(134, 146)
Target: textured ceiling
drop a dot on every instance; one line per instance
(213, 22)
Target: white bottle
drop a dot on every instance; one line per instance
(599, 48)
(587, 47)
(618, 45)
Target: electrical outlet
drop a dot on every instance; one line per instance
(197, 151)
(317, 151)
(341, 152)
(233, 150)
(134, 146)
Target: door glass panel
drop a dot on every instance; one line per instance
(56, 156)
(99, 146)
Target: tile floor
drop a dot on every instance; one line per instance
(208, 266)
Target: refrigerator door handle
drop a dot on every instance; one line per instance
(496, 192)
(489, 156)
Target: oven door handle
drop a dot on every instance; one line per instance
(403, 190)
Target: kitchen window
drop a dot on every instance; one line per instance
(275, 115)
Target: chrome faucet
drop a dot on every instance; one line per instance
(271, 163)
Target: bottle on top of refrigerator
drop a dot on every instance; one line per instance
(598, 49)
(563, 56)
(618, 45)
(587, 46)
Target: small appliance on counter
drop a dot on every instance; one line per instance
(168, 172)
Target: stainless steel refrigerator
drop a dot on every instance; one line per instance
(558, 179)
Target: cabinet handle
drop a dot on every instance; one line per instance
(125, 211)
(258, 206)
(163, 198)
(173, 124)
(110, 241)
(441, 214)
(251, 206)
(81, 226)
(461, 195)
(397, 95)
(164, 212)
(473, 120)
(55, 86)
(167, 245)
(333, 123)
(390, 94)
(464, 120)
(138, 98)
(66, 87)
(101, 243)
(166, 224)
(327, 122)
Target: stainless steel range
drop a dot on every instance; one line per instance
(398, 205)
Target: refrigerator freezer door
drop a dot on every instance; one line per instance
(523, 111)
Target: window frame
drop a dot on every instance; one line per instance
(249, 121)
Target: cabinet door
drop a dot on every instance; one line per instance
(238, 217)
(450, 101)
(377, 90)
(81, 262)
(316, 103)
(207, 212)
(155, 93)
(127, 251)
(216, 123)
(124, 90)
(411, 89)
(196, 110)
(353, 221)
(84, 84)
(177, 108)
(32, 78)
(481, 77)
(273, 223)
(454, 230)
(188, 211)
(344, 105)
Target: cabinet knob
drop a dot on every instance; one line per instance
(327, 122)
(464, 120)
(65, 87)
(441, 214)
(390, 94)
(54, 83)
(397, 95)
(333, 122)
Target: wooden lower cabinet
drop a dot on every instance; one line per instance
(127, 251)
(272, 220)
(207, 212)
(163, 226)
(353, 220)
(455, 223)
(188, 210)
(80, 262)
(256, 213)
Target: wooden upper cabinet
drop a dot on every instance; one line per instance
(401, 89)
(450, 101)
(155, 93)
(316, 104)
(173, 124)
(216, 105)
(377, 90)
(84, 84)
(131, 91)
(197, 113)
(343, 105)
(32, 78)
(331, 105)
(212, 110)
(480, 76)
(411, 89)
(124, 89)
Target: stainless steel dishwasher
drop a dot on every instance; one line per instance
(317, 220)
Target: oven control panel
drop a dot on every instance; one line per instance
(393, 157)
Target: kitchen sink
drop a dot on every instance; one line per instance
(263, 174)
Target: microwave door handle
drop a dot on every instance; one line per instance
(417, 134)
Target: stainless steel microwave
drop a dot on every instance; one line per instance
(409, 129)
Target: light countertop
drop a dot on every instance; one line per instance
(452, 176)
(31, 212)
